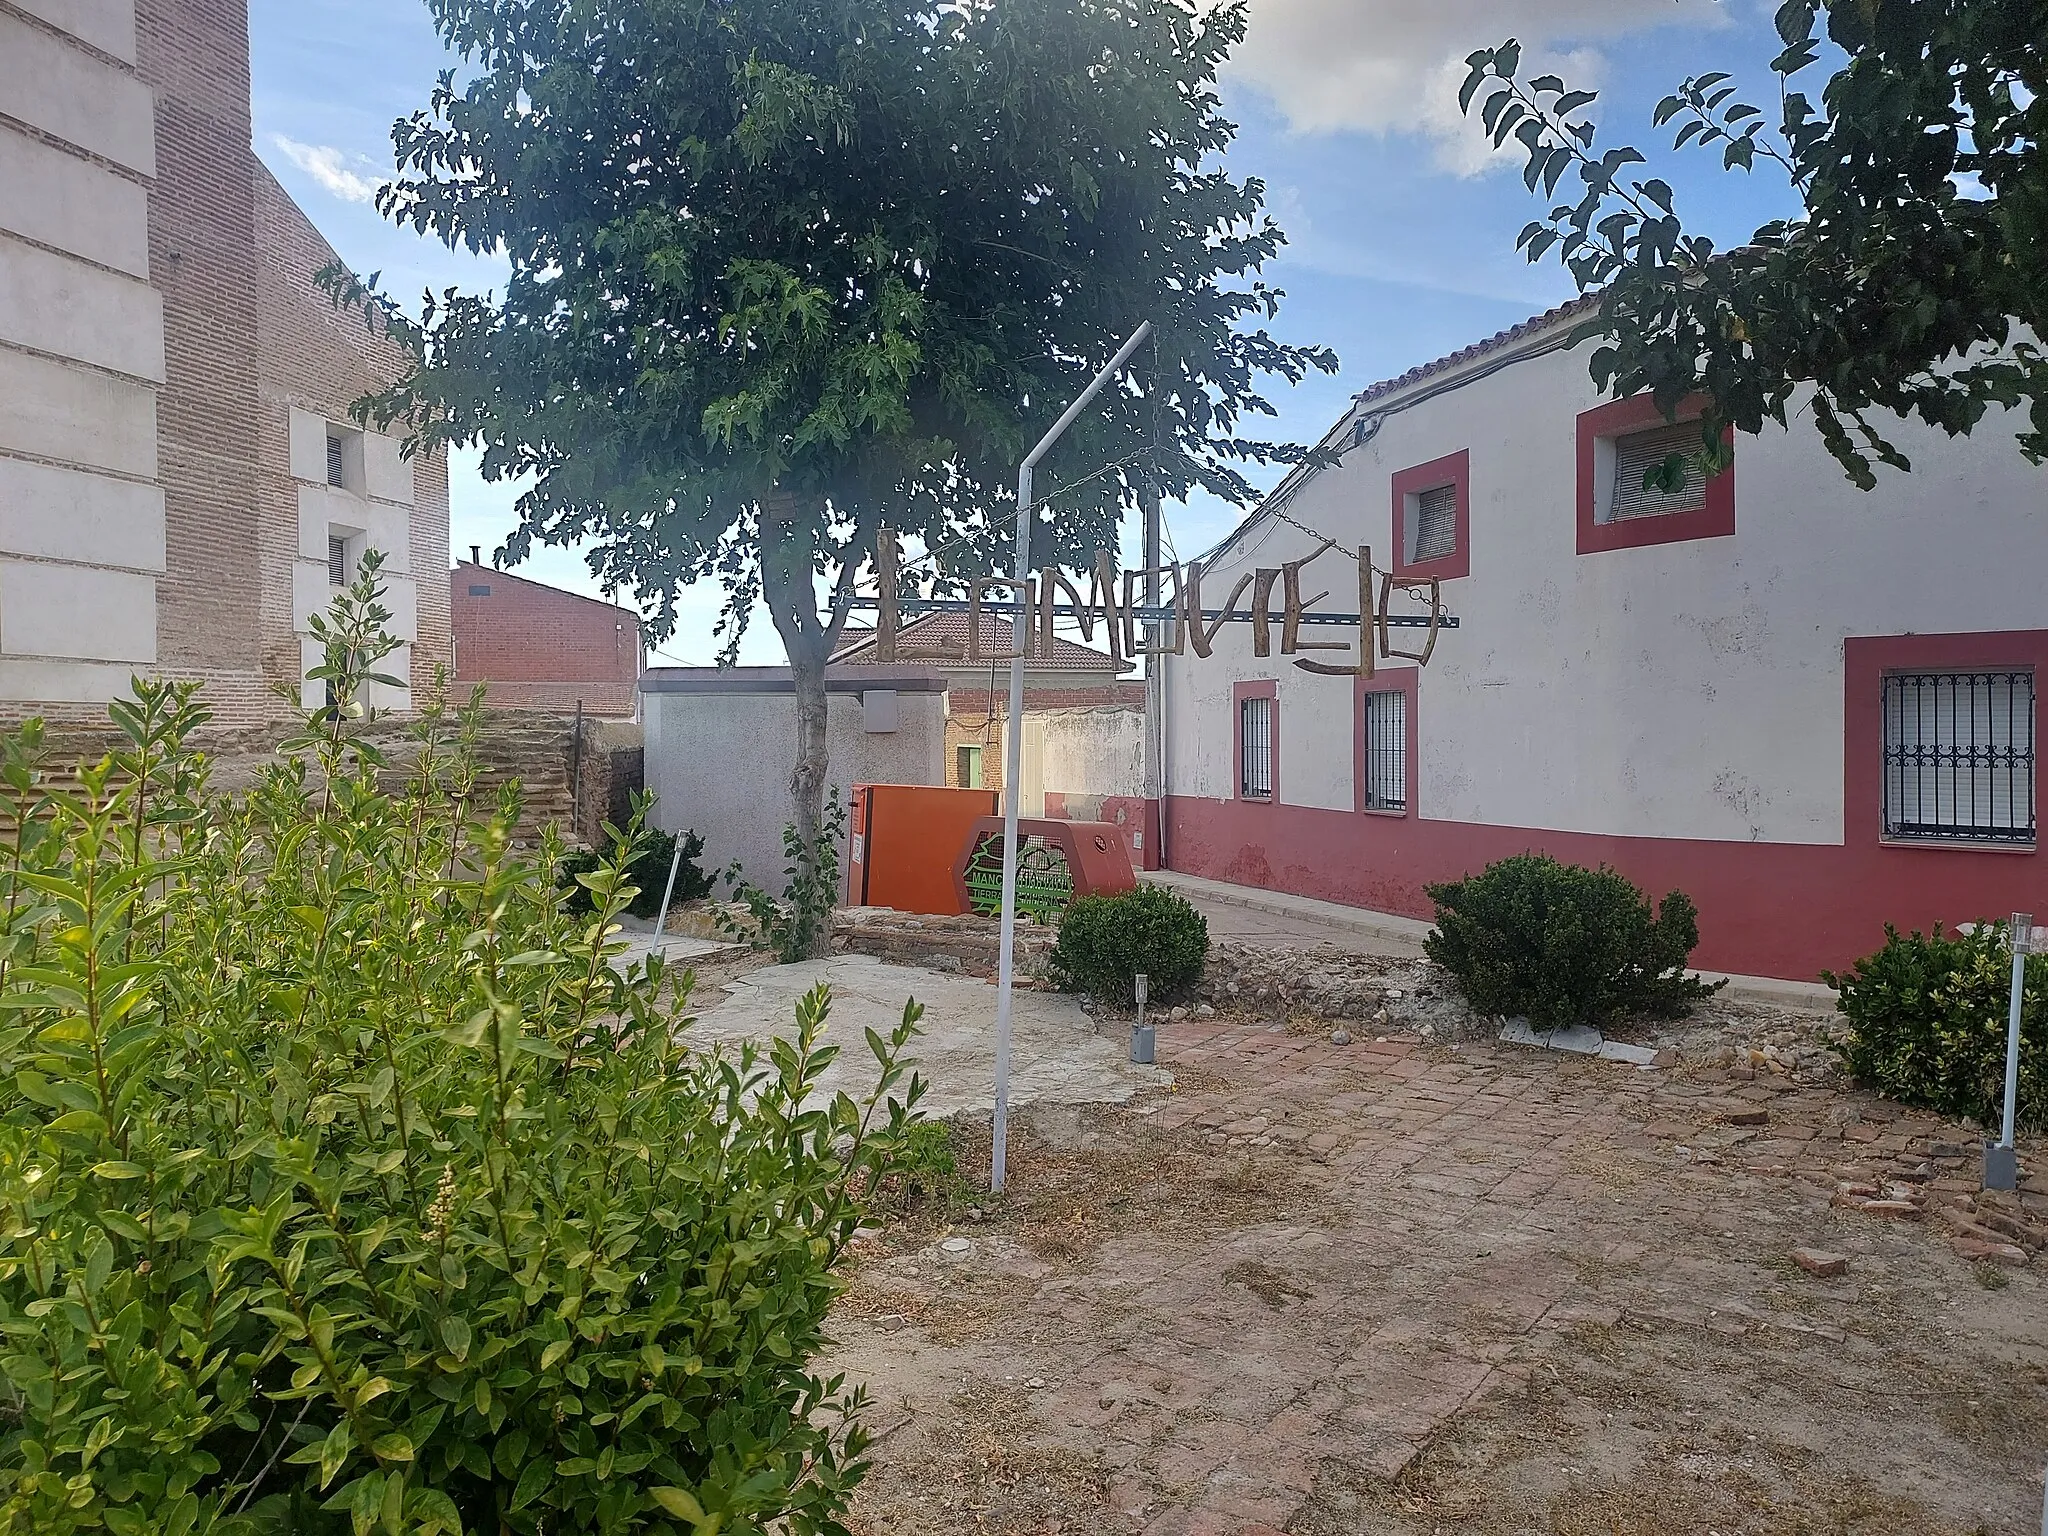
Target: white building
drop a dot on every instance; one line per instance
(1809, 707)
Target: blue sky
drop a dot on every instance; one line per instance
(1402, 229)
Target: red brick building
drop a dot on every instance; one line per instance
(541, 647)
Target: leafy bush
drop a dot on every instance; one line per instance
(1105, 941)
(347, 1183)
(797, 925)
(1927, 1022)
(652, 853)
(1563, 945)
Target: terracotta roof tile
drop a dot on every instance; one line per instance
(942, 639)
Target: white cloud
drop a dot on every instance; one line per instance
(332, 168)
(1395, 65)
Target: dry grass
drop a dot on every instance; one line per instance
(1125, 1175)
(973, 1469)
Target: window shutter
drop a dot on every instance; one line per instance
(1636, 454)
(1436, 524)
(337, 560)
(334, 475)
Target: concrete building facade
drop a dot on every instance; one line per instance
(170, 379)
(1065, 676)
(1810, 707)
(721, 744)
(539, 647)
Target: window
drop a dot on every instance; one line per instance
(337, 560)
(1436, 524)
(1386, 751)
(1959, 757)
(334, 462)
(477, 589)
(1432, 518)
(968, 763)
(1636, 454)
(1619, 443)
(1255, 748)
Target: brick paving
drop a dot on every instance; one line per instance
(1340, 1253)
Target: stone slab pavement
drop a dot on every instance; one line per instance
(1056, 1053)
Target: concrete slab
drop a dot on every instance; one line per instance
(1056, 1056)
(676, 948)
(1577, 1038)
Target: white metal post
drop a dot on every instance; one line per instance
(1013, 749)
(2001, 1162)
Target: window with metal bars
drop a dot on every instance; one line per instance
(1386, 751)
(335, 474)
(1636, 454)
(337, 560)
(1255, 749)
(1435, 532)
(1959, 757)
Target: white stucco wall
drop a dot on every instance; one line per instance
(1092, 751)
(719, 764)
(1678, 690)
(81, 351)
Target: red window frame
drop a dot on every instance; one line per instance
(1402, 680)
(1865, 661)
(1265, 688)
(1617, 418)
(1452, 469)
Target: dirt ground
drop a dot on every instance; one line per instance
(1398, 1288)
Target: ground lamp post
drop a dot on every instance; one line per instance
(1013, 756)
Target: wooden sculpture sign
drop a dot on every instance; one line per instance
(1187, 626)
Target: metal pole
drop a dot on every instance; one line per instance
(658, 946)
(2001, 1162)
(576, 774)
(1154, 679)
(1013, 750)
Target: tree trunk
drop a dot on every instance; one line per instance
(792, 602)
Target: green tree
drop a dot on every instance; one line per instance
(1915, 281)
(786, 271)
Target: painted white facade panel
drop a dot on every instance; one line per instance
(1681, 690)
(308, 434)
(74, 205)
(76, 612)
(63, 682)
(109, 25)
(70, 514)
(387, 473)
(311, 594)
(59, 305)
(67, 93)
(75, 416)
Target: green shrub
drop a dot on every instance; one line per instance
(798, 926)
(1562, 945)
(1927, 1022)
(348, 1183)
(652, 854)
(1105, 941)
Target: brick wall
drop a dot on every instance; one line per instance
(540, 647)
(322, 360)
(973, 728)
(195, 56)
